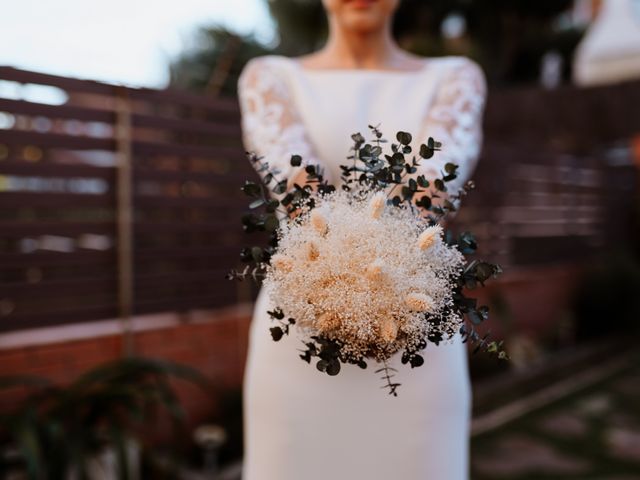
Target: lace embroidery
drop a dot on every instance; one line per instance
(455, 120)
(271, 125)
(273, 128)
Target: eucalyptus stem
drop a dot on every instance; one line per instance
(387, 375)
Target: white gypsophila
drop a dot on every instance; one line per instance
(365, 273)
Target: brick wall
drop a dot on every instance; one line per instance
(214, 344)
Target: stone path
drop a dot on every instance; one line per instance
(593, 434)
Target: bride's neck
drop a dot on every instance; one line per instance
(350, 49)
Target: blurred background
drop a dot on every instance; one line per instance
(122, 345)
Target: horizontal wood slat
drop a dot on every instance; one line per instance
(144, 148)
(233, 180)
(23, 229)
(160, 148)
(66, 112)
(87, 114)
(57, 288)
(148, 201)
(94, 285)
(221, 107)
(178, 253)
(226, 130)
(18, 229)
(64, 83)
(50, 259)
(73, 85)
(45, 169)
(56, 140)
(15, 200)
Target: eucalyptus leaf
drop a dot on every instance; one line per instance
(271, 223)
(256, 203)
(403, 137)
(280, 187)
(251, 189)
(426, 152)
(333, 368)
(276, 333)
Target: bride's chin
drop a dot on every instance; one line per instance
(362, 21)
(361, 15)
(361, 4)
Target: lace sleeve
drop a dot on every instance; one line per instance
(455, 120)
(271, 125)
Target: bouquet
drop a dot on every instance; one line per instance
(366, 270)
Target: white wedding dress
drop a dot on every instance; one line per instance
(301, 424)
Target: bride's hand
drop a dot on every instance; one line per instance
(300, 179)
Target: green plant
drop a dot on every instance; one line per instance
(57, 431)
(214, 61)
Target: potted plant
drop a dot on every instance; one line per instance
(90, 428)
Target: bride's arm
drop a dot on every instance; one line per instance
(455, 120)
(271, 125)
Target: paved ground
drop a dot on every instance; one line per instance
(593, 434)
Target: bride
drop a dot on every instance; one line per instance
(301, 424)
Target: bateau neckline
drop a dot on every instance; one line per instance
(296, 63)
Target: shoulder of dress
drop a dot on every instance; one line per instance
(271, 65)
(269, 61)
(457, 61)
(266, 73)
(457, 67)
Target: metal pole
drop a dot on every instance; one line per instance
(124, 212)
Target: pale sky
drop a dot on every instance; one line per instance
(118, 41)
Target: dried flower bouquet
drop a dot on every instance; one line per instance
(363, 273)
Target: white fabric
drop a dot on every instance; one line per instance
(610, 50)
(301, 424)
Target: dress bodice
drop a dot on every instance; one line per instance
(288, 109)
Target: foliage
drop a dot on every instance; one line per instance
(301, 25)
(374, 169)
(217, 49)
(58, 430)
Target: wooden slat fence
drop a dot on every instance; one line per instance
(109, 167)
(571, 120)
(536, 208)
(60, 172)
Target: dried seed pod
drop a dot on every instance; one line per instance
(419, 302)
(376, 204)
(429, 237)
